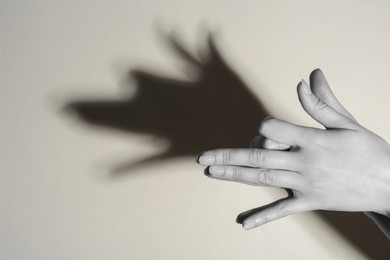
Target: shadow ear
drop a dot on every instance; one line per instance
(215, 54)
(174, 42)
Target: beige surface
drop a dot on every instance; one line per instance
(55, 201)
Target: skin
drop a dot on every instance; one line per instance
(344, 167)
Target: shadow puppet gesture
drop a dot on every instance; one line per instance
(344, 167)
(170, 109)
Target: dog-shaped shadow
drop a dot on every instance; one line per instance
(215, 110)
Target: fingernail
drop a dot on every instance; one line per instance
(305, 87)
(284, 146)
(206, 159)
(248, 224)
(217, 170)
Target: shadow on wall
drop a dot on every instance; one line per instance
(215, 110)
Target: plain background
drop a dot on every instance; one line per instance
(56, 201)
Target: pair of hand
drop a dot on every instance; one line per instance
(343, 167)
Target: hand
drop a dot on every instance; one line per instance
(343, 167)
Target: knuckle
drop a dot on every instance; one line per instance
(257, 157)
(320, 105)
(314, 136)
(319, 139)
(260, 220)
(265, 177)
(266, 218)
(325, 95)
(225, 156)
(282, 210)
(236, 173)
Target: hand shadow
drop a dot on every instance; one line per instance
(215, 110)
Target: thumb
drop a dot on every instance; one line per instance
(320, 87)
(321, 111)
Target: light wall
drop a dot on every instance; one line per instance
(56, 200)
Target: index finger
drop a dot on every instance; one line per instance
(261, 158)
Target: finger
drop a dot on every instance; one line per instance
(273, 211)
(320, 87)
(242, 216)
(253, 157)
(321, 111)
(284, 132)
(176, 43)
(265, 143)
(257, 177)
